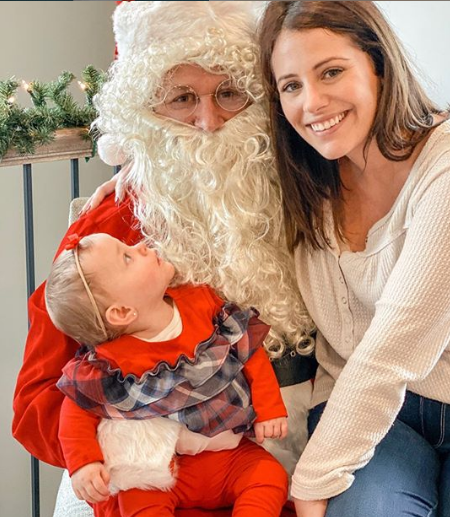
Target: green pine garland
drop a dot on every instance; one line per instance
(53, 108)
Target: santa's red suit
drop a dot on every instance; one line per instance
(37, 400)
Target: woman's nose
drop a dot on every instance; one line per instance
(314, 98)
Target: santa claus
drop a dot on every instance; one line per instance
(184, 110)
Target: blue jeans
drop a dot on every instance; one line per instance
(409, 475)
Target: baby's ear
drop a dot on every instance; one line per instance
(120, 316)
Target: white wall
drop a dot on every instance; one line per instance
(38, 40)
(423, 28)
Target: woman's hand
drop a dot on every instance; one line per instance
(107, 188)
(311, 508)
(90, 483)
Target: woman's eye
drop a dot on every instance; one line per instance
(126, 258)
(291, 87)
(332, 72)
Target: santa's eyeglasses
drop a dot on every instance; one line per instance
(182, 101)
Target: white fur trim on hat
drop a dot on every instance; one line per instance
(110, 151)
(141, 25)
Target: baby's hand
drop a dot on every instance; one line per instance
(90, 483)
(275, 428)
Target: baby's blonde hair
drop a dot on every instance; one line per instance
(68, 304)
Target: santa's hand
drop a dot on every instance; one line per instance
(90, 483)
(107, 188)
(275, 428)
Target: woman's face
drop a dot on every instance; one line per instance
(328, 90)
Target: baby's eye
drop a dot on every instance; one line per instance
(126, 258)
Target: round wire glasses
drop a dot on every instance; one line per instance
(182, 101)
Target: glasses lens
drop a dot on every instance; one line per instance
(230, 98)
(181, 100)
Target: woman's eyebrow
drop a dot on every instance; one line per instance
(315, 67)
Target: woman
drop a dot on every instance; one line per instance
(364, 162)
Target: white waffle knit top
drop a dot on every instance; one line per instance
(383, 316)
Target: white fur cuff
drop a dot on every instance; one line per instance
(139, 453)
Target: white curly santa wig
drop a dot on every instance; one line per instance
(154, 37)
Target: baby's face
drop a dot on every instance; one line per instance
(129, 275)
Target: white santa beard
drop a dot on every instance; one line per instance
(211, 203)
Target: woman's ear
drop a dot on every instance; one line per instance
(120, 316)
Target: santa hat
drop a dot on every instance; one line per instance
(139, 26)
(163, 34)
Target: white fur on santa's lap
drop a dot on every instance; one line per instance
(139, 453)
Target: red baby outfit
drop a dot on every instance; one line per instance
(248, 476)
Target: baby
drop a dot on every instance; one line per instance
(169, 378)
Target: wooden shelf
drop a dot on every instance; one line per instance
(68, 144)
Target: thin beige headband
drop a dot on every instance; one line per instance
(74, 240)
(89, 293)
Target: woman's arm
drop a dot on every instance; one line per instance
(406, 339)
(311, 508)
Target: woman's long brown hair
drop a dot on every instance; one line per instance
(403, 118)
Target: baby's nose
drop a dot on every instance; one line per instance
(142, 247)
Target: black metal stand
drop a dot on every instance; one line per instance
(31, 283)
(29, 250)
(74, 178)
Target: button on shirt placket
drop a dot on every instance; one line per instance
(347, 330)
(347, 318)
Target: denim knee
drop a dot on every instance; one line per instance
(401, 480)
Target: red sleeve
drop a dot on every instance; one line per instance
(265, 390)
(37, 401)
(266, 395)
(78, 436)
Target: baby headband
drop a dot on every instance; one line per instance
(73, 243)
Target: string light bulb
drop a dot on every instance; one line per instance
(82, 85)
(11, 100)
(26, 86)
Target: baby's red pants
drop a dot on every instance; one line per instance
(247, 478)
